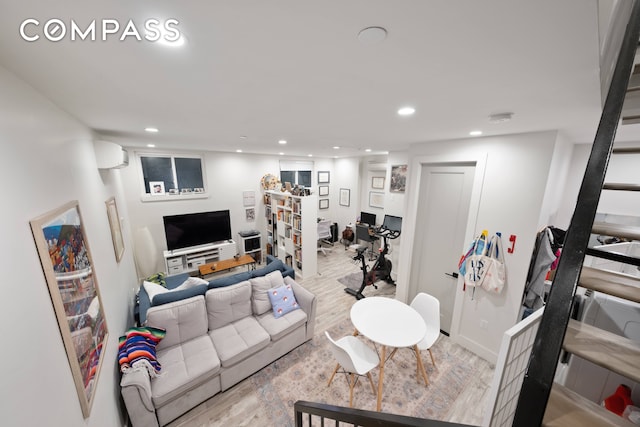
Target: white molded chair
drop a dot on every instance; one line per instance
(429, 308)
(355, 358)
(324, 234)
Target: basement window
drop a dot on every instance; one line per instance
(169, 176)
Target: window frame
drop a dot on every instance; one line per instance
(149, 197)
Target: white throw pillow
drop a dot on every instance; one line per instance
(153, 289)
(190, 283)
(260, 302)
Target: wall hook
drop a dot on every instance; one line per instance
(512, 239)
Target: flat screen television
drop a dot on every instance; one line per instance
(183, 231)
(368, 218)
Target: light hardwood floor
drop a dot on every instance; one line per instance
(239, 406)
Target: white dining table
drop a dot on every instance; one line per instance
(391, 324)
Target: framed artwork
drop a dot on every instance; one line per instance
(323, 190)
(376, 199)
(250, 214)
(377, 182)
(323, 204)
(249, 198)
(66, 261)
(345, 197)
(398, 178)
(116, 229)
(156, 188)
(323, 177)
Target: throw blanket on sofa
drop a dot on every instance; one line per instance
(137, 349)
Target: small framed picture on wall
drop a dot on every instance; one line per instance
(323, 177)
(323, 204)
(323, 190)
(377, 182)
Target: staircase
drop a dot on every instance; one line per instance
(541, 401)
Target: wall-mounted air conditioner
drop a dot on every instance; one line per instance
(110, 155)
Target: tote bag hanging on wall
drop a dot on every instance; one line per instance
(495, 275)
(475, 264)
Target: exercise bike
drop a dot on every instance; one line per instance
(381, 269)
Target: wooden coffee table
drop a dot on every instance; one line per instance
(227, 264)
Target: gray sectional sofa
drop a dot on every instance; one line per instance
(213, 341)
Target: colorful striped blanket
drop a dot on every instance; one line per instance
(137, 350)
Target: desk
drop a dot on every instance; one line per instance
(227, 264)
(390, 323)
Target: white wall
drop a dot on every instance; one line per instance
(47, 161)
(227, 176)
(508, 197)
(347, 177)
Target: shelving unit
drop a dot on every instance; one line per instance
(250, 243)
(188, 260)
(292, 230)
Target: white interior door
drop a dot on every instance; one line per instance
(443, 209)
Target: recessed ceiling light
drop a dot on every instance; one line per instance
(151, 130)
(281, 153)
(310, 155)
(282, 142)
(238, 151)
(500, 118)
(372, 35)
(151, 145)
(368, 150)
(243, 136)
(406, 111)
(336, 147)
(475, 133)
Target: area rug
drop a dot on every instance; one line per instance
(352, 280)
(303, 375)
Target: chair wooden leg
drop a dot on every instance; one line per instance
(351, 384)
(373, 387)
(333, 375)
(393, 353)
(432, 359)
(421, 369)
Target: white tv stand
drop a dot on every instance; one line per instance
(187, 260)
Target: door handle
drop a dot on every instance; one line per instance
(454, 275)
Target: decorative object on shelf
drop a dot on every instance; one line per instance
(156, 188)
(377, 182)
(398, 178)
(69, 272)
(269, 182)
(323, 204)
(250, 214)
(323, 177)
(323, 190)
(376, 199)
(345, 197)
(114, 226)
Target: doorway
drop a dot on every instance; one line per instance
(441, 222)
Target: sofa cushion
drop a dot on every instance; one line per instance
(184, 367)
(226, 305)
(230, 280)
(177, 295)
(238, 340)
(281, 326)
(260, 302)
(183, 320)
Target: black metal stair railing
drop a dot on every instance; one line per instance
(539, 377)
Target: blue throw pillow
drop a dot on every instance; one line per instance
(282, 300)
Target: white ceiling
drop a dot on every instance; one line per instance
(295, 70)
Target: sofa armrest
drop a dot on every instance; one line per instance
(136, 393)
(307, 302)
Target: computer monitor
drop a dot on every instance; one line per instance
(393, 223)
(368, 218)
